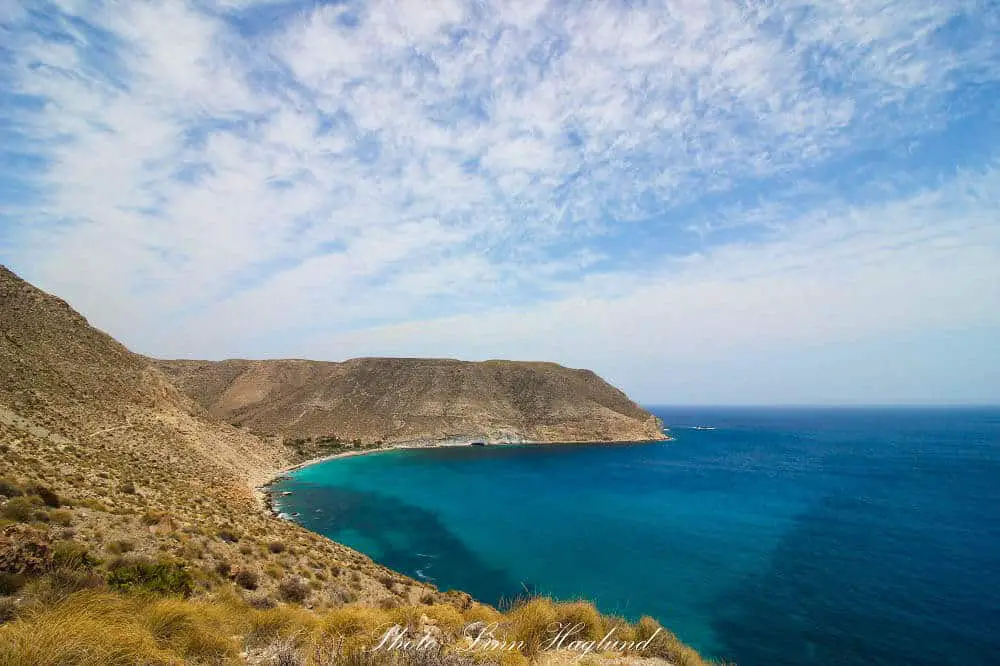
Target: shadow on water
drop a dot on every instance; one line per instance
(401, 536)
(838, 592)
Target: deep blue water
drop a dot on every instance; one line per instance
(783, 536)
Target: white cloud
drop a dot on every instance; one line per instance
(466, 176)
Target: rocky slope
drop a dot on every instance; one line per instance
(138, 462)
(404, 399)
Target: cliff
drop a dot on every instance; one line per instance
(404, 399)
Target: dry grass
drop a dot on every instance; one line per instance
(101, 627)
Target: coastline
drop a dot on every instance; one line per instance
(259, 486)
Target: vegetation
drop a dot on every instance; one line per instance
(308, 448)
(141, 575)
(99, 626)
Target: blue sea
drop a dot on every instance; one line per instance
(766, 536)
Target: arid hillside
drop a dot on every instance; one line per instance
(140, 468)
(403, 399)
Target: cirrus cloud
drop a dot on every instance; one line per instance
(483, 179)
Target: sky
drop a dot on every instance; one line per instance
(704, 201)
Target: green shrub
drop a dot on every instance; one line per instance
(10, 583)
(71, 555)
(10, 489)
(19, 509)
(144, 575)
(61, 517)
(66, 581)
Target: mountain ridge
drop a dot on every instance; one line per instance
(400, 399)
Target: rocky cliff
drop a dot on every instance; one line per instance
(404, 399)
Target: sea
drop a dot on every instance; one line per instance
(764, 536)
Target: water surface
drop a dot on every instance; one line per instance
(791, 536)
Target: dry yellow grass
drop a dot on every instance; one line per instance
(91, 628)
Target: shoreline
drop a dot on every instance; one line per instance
(259, 487)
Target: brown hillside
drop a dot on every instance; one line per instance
(139, 462)
(404, 399)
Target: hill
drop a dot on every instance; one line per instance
(405, 399)
(142, 468)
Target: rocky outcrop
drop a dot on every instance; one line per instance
(406, 399)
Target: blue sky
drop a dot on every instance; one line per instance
(704, 201)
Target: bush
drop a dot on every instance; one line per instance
(19, 509)
(120, 547)
(48, 497)
(261, 602)
(128, 488)
(66, 581)
(223, 569)
(144, 575)
(293, 590)
(8, 609)
(9, 489)
(276, 547)
(61, 517)
(151, 518)
(228, 535)
(10, 583)
(71, 555)
(246, 579)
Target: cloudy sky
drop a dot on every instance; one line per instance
(705, 201)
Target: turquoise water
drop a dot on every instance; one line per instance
(791, 536)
